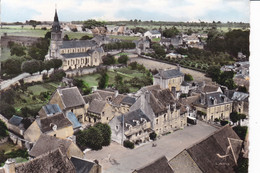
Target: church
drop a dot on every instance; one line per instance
(75, 54)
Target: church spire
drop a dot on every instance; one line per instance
(56, 23)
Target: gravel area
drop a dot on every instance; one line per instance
(117, 159)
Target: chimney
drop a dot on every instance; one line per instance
(9, 166)
(178, 67)
(202, 99)
(116, 93)
(161, 72)
(174, 91)
(147, 96)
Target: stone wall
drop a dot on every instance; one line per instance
(25, 41)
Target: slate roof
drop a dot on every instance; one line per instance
(218, 152)
(168, 74)
(165, 96)
(190, 166)
(76, 55)
(133, 115)
(15, 120)
(97, 106)
(52, 162)
(82, 166)
(159, 166)
(105, 94)
(240, 96)
(213, 99)
(46, 124)
(154, 32)
(71, 97)
(51, 109)
(73, 119)
(118, 99)
(47, 143)
(128, 100)
(90, 97)
(210, 88)
(78, 43)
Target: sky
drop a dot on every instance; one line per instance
(156, 10)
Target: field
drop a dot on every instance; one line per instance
(126, 73)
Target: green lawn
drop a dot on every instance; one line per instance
(127, 38)
(8, 147)
(37, 89)
(76, 35)
(126, 73)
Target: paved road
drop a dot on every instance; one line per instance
(151, 64)
(117, 159)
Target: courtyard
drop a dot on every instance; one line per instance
(117, 159)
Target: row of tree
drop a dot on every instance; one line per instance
(119, 46)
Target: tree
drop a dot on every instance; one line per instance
(57, 63)
(83, 86)
(31, 66)
(123, 59)
(66, 38)
(41, 66)
(91, 138)
(6, 110)
(158, 49)
(47, 35)
(17, 50)
(57, 75)
(105, 132)
(85, 37)
(48, 65)
(90, 24)
(234, 117)
(241, 131)
(13, 65)
(3, 129)
(34, 23)
(103, 80)
(171, 32)
(188, 77)
(109, 60)
(213, 72)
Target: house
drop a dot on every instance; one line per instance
(177, 41)
(161, 165)
(143, 44)
(162, 109)
(16, 125)
(240, 101)
(56, 125)
(213, 105)
(99, 111)
(53, 161)
(85, 166)
(171, 79)
(70, 100)
(218, 152)
(134, 126)
(47, 143)
(153, 34)
(188, 103)
(99, 31)
(101, 40)
(174, 55)
(191, 39)
(49, 110)
(165, 41)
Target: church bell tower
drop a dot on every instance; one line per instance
(56, 37)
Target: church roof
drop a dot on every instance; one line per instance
(76, 55)
(78, 43)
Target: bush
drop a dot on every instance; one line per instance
(109, 60)
(241, 131)
(123, 59)
(57, 75)
(3, 129)
(153, 136)
(91, 138)
(129, 144)
(6, 110)
(223, 122)
(188, 77)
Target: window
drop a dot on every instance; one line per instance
(157, 121)
(107, 118)
(117, 127)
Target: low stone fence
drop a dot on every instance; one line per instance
(80, 72)
(36, 78)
